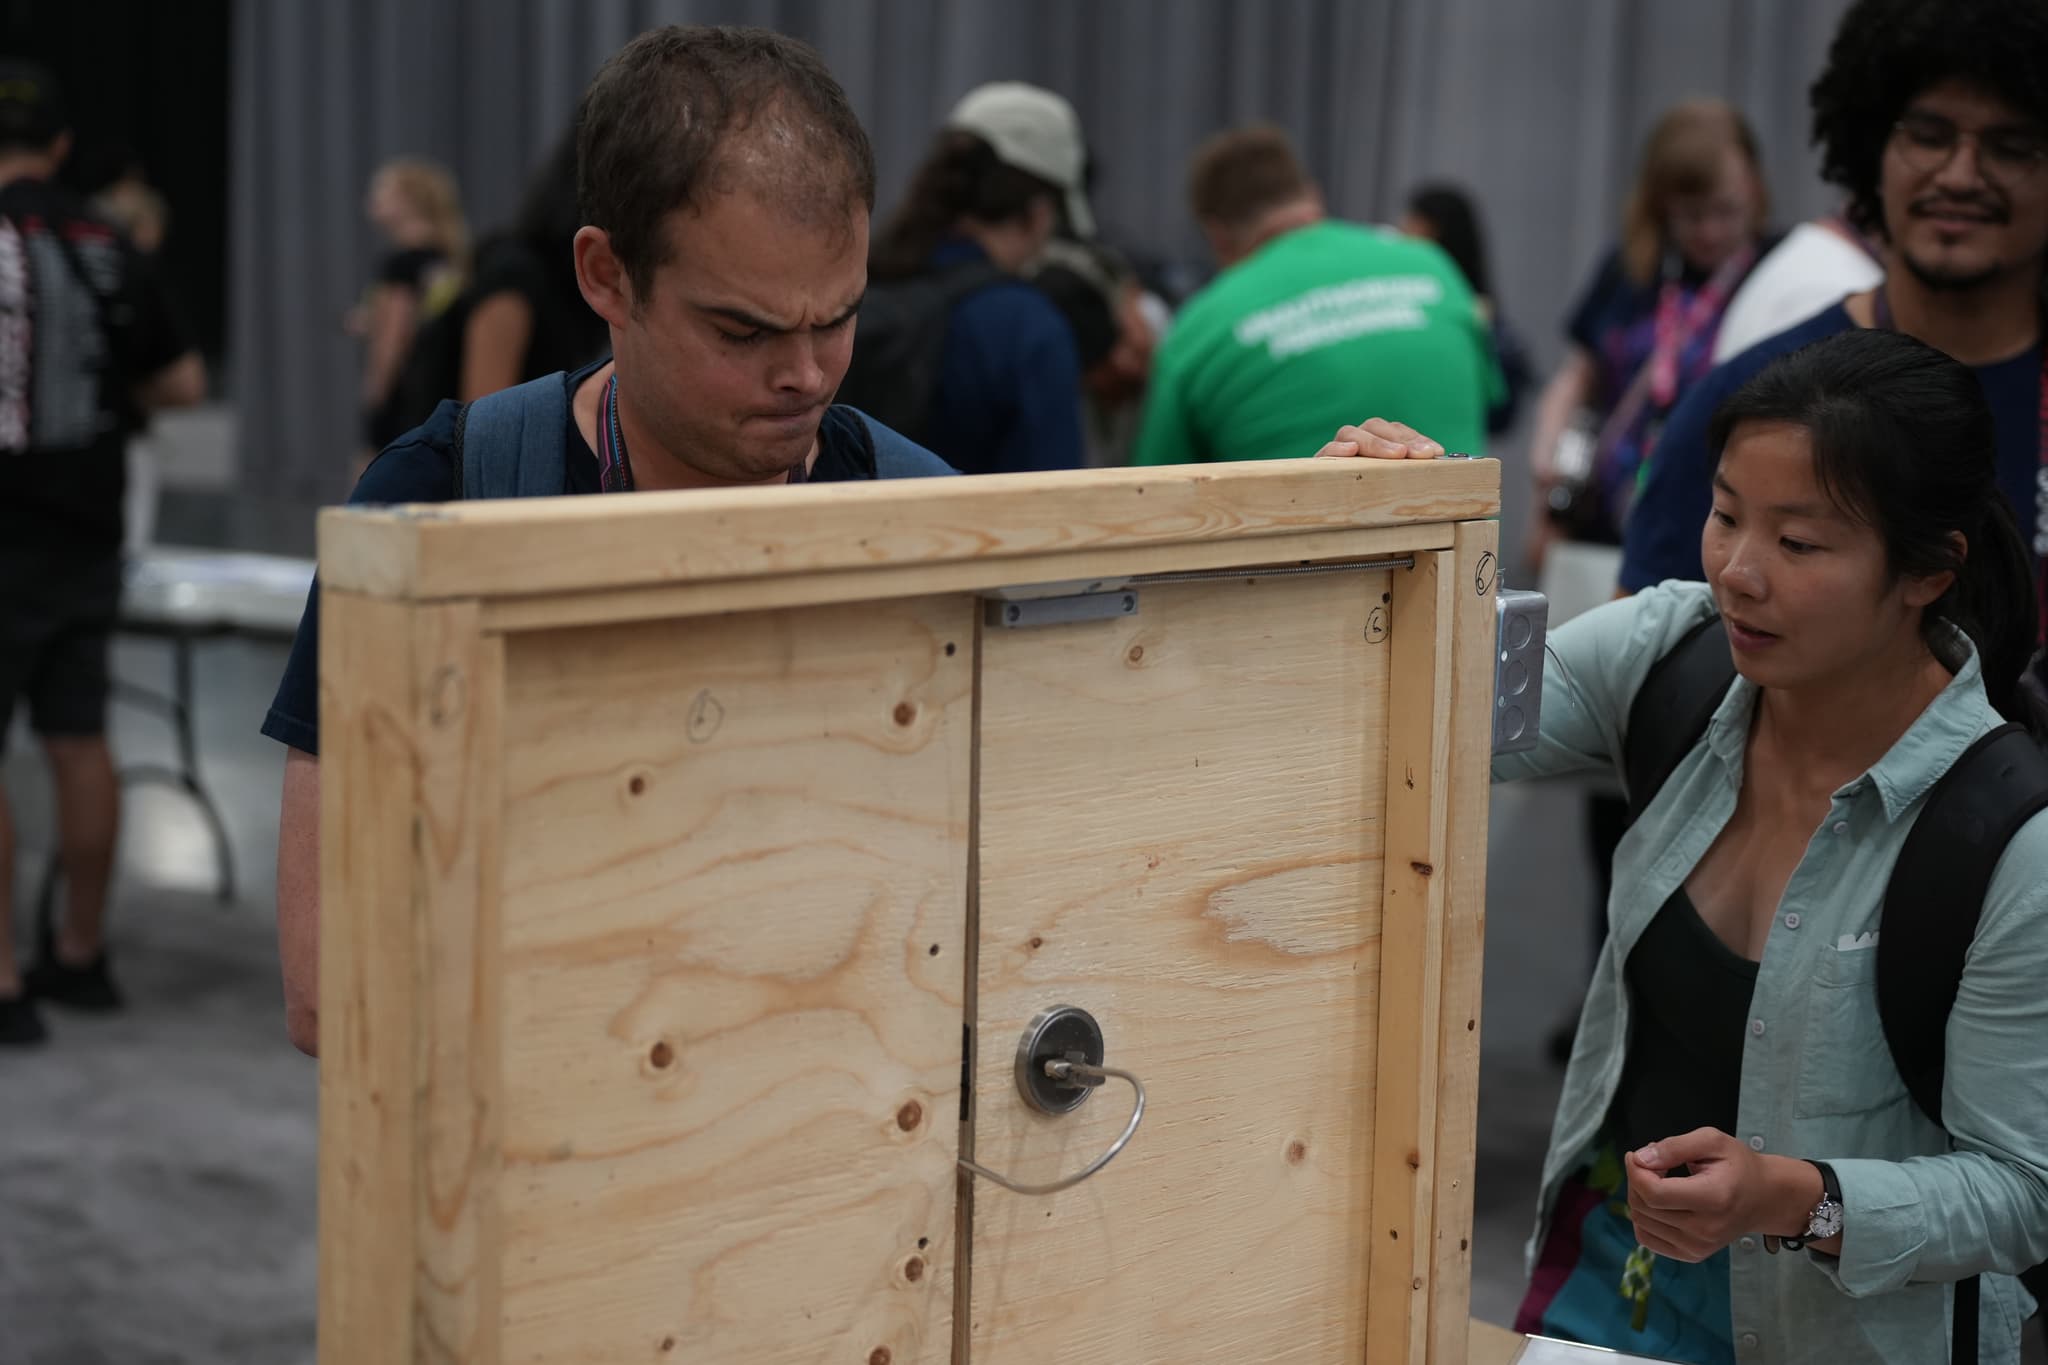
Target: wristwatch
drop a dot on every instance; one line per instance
(1826, 1219)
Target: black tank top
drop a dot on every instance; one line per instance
(1690, 995)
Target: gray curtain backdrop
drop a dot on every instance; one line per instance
(1536, 105)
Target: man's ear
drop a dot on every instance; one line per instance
(602, 278)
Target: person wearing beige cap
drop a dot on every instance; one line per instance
(955, 349)
(1033, 130)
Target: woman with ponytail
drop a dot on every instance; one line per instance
(1737, 1170)
(954, 348)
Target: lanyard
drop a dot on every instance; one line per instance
(614, 470)
(1677, 323)
(2038, 542)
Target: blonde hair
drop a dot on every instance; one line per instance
(1681, 157)
(430, 190)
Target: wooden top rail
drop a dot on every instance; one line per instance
(563, 545)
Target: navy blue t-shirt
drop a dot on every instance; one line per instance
(420, 467)
(1663, 534)
(1009, 393)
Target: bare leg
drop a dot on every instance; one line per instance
(88, 819)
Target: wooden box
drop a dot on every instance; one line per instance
(685, 858)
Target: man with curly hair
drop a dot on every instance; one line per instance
(1932, 116)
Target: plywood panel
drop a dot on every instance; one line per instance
(1180, 831)
(735, 863)
(409, 1073)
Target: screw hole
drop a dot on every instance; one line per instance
(935, 950)
(950, 647)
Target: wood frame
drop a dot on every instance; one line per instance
(418, 607)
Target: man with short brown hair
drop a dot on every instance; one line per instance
(725, 188)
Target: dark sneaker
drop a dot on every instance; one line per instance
(89, 988)
(21, 1024)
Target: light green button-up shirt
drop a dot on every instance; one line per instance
(1817, 1079)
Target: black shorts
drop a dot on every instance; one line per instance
(56, 623)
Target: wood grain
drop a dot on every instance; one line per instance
(548, 611)
(409, 1020)
(1475, 578)
(547, 545)
(735, 882)
(1179, 821)
(1418, 785)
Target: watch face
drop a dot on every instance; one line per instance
(1826, 1222)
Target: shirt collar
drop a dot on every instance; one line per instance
(1957, 716)
(1952, 722)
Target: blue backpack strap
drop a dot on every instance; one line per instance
(896, 455)
(510, 444)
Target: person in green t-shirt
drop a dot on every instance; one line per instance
(1311, 322)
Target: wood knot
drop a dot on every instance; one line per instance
(668, 1343)
(637, 784)
(905, 713)
(1296, 1150)
(1415, 1283)
(661, 1055)
(1037, 942)
(1136, 654)
(909, 1116)
(880, 1356)
(1426, 869)
(1464, 1244)
(1415, 1161)
(449, 694)
(913, 1269)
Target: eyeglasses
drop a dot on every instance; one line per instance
(2006, 156)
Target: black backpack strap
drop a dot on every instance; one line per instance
(1936, 894)
(1931, 908)
(1672, 710)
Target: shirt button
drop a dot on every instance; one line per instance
(1792, 920)
(1749, 1341)
(1841, 826)
(1756, 1144)
(1756, 1027)
(1747, 1244)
